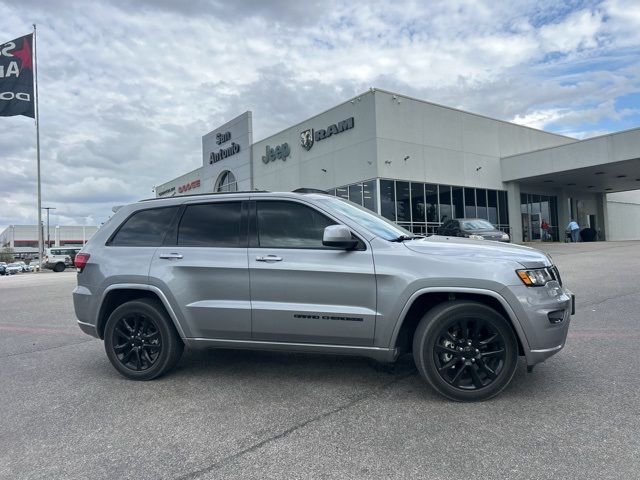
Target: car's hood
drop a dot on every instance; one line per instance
(481, 249)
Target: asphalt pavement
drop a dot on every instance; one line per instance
(66, 413)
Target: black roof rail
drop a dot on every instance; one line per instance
(202, 194)
(309, 190)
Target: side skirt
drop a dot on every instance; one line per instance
(381, 354)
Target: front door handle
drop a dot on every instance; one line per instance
(170, 255)
(269, 258)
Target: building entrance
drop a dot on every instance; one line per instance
(539, 218)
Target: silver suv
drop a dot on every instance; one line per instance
(315, 273)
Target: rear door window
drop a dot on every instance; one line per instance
(145, 228)
(212, 225)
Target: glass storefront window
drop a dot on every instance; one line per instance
(355, 193)
(423, 207)
(369, 195)
(388, 199)
(403, 202)
(536, 211)
(481, 202)
(458, 203)
(445, 203)
(492, 206)
(503, 213)
(469, 203)
(418, 208)
(431, 203)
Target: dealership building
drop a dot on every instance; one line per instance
(419, 164)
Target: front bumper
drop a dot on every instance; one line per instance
(544, 315)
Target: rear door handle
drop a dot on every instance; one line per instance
(269, 258)
(170, 255)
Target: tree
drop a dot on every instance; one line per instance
(6, 255)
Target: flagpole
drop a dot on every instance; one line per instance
(37, 112)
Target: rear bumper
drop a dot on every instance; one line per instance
(544, 314)
(88, 329)
(83, 306)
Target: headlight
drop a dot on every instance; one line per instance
(476, 237)
(505, 236)
(535, 277)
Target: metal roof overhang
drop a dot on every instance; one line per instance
(606, 164)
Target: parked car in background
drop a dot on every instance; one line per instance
(3, 268)
(14, 268)
(59, 258)
(475, 228)
(25, 267)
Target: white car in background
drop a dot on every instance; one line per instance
(59, 258)
(13, 268)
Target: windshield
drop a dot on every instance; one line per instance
(476, 225)
(374, 223)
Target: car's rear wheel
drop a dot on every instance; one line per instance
(141, 341)
(59, 267)
(466, 350)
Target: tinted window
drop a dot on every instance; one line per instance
(388, 199)
(445, 203)
(211, 225)
(355, 193)
(369, 193)
(290, 225)
(403, 201)
(431, 205)
(145, 228)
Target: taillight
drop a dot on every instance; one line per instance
(81, 261)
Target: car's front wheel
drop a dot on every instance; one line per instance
(466, 350)
(141, 341)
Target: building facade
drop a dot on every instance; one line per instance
(418, 164)
(23, 239)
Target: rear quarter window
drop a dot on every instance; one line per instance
(145, 228)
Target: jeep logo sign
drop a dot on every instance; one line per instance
(280, 152)
(308, 137)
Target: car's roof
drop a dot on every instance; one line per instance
(241, 194)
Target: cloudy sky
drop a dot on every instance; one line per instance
(128, 87)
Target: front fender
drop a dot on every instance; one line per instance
(466, 290)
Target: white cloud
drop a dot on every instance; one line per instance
(129, 87)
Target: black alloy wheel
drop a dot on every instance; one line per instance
(141, 340)
(466, 350)
(469, 353)
(137, 342)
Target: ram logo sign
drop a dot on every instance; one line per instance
(309, 137)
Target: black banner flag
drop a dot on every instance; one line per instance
(16, 78)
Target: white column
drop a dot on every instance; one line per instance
(515, 217)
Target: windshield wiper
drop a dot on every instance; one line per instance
(402, 238)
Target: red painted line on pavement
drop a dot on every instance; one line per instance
(596, 334)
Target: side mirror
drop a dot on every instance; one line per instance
(338, 236)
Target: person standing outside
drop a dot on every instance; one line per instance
(544, 226)
(574, 228)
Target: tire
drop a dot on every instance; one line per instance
(59, 267)
(141, 341)
(466, 350)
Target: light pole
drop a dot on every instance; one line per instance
(48, 234)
